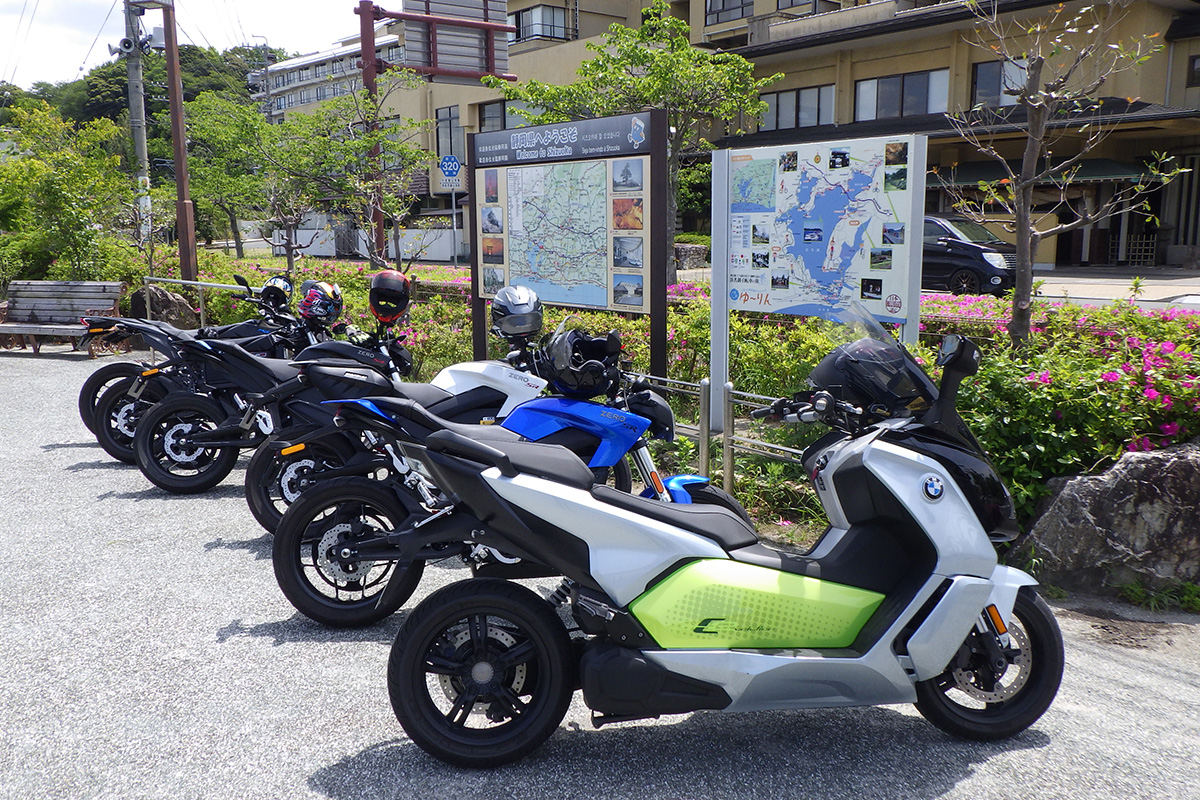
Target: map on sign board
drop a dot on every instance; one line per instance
(812, 226)
(559, 231)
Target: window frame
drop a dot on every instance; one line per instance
(824, 95)
(932, 84)
(726, 10)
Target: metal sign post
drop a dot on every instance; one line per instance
(452, 180)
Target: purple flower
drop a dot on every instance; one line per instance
(1169, 428)
(1110, 377)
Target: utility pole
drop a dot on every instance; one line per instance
(137, 113)
(185, 221)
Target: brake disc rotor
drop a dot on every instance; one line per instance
(1017, 673)
(289, 479)
(334, 568)
(482, 672)
(174, 449)
(126, 419)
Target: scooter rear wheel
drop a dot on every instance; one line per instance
(481, 673)
(971, 700)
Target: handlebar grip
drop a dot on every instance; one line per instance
(759, 413)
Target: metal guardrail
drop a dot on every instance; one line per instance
(201, 285)
(732, 442)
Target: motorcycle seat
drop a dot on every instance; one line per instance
(424, 422)
(423, 394)
(549, 461)
(713, 522)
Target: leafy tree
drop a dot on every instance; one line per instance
(62, 193)
(654, 66)
(224, 169)
(1054, 67)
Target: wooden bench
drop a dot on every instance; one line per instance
(53, 308)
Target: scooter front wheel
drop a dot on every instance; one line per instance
(481, 673)
(974, 700)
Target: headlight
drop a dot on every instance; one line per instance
(995, 259)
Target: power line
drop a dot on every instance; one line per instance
(102, 24)
(16, 33)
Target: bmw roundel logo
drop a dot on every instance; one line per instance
(934, 488)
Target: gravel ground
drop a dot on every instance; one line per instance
(147, 653)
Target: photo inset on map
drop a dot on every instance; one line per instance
(627, 290)
(839, 159)
(788, 161)
(491, 219)
(760, 259)
(627, 252)
(493, 280)
(627, 175)
(895, 179)
(814, 235)
(492, 250)
(881, 258)
(872, 289)
(895, 153)
(491, 186)
(760, 234)
(627, 213)
(780, 280)
(893, 233)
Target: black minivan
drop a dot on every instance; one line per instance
(963, 257)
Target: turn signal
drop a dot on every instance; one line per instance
(658, 484)
(149, 372)
(998, 623)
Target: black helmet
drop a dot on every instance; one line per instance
(321, 303)
(579, 366)
(389, 296)
(276, 292)
(516, 311)
(874, 375)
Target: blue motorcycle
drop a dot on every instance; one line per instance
(334, 551)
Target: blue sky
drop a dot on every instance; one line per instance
(60, 40)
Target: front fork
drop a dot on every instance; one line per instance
(670, 490)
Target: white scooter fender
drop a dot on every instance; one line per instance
(941, 634)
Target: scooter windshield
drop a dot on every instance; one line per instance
(870, 369)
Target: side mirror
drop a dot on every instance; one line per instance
(958, 354)
(245, 284)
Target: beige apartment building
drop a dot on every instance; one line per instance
(851, 69)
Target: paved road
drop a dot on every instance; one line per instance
(147, 653)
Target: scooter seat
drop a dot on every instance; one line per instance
(549, 461)
(714, 522)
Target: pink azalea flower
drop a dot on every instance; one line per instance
(1169, 428)
(1110, 377)
(1151, 393)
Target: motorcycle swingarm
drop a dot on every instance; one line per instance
(425, 542)
(219, 439)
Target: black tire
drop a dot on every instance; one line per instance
(272, 479)
(619, 476)
(325, 589)
(964, 281)
(178, 468)
(707, 494)
(98, 383)
(470, 655)
(117, 416)
(968, 700)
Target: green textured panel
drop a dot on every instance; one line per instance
(722, 604)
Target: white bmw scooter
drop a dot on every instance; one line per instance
(680, 608)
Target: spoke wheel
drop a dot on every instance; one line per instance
(481, 673)
(165, 454)
(975, 700)
(310, 563)
(964, 282)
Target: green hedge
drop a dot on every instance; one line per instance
(1091, 384)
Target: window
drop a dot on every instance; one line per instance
(909, 95)
(725, 10)
(786, 4)
(450, 139)
(990, 80)
(798, 108)
(501, 115)
(539, 22)
(1193, 71)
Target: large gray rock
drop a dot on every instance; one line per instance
(691, 256)
(167, 306)
(1139, 521)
